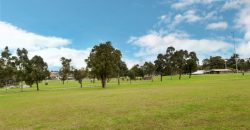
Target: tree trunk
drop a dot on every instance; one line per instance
(130, 80)
(171, 75)
(180, 76)
(6, 86)
(63, 82)
(190, 73)
(37, 87)
(81, 84)
(243, 73)
(21, 87)
(161, 77)
(118, 78)
(103, 82)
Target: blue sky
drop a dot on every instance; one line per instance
(139, 28)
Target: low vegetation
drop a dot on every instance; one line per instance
(202, 102)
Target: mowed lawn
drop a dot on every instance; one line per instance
(202, 102)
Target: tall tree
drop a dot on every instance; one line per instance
(80, 74)
(39, 70)
(104, 60)
(9, 66)
(122, 71)
(160, 65)
(22, 64)
(65, 69)
(192, 63)
(179, 59)
(169, 61)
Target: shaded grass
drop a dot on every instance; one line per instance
(202, 102)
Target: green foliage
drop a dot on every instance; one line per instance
(179, 60)
(192, 63)
(65, 70)
(104, 61)
(8, 67)
(137, 70)
(149, 68)
(215, 62)
(39, 70)
(80, 74)
(122, 69)
(160, 65)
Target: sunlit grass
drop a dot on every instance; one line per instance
(202, 102)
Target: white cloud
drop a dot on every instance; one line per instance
(244, 50)
(211, 16)
(218, 25)
(53, 55)
(242, 21)
(189, 16)
(155, 43)
(184, 3)
(15, 37)
(131, 62)
(49, 47)
(235, 4)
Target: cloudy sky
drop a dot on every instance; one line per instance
(141, 29)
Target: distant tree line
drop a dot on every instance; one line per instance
(217, 62)
(104, 62)
(171, 63)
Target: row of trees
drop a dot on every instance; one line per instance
(16, 70)
(176, 62)
(104, 62)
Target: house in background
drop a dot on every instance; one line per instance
(212, 71)
(220, 71)
(54, 75)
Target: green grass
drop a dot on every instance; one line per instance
(202, 102)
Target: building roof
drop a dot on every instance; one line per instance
(220, 70)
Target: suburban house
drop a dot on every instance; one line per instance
(212, 71)
(220, 71)
(54, 75)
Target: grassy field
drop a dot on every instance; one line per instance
(202, 102)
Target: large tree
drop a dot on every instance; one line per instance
(65, 69)
(104, 60)
(80, 74)
(169, 61)
(9, 66)
(160, 65)
(22, 63)
(179, 59)
(192, 63)
(39, 70)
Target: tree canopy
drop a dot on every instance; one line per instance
(103, 61)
